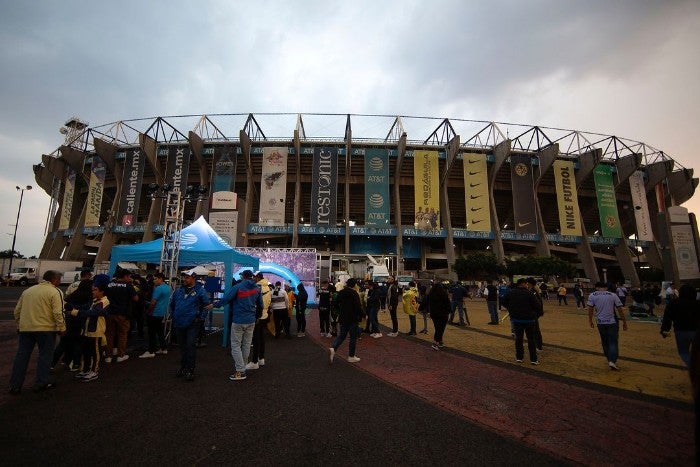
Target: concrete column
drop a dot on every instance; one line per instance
(76, 160)
(501, 152)
(348, 167)
(197, 147)
(401, 153)
(107, 151)
(587, 162)
(245, 149)
(297, 190)
(150, 148)
(626, 166)
(546, 158)
(452, 149)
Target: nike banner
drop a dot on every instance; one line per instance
(324, 187)
(177, 168)
(427, 189)
(523, 192)
(132, 178)
(641, 208)
(67, 207)
(476, 193)
(377, 187)
(223, 172)
(273, 186)
(607, 205)
(567, 198)
(98, 172)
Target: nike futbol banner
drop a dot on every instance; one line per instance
(377, 187)
(567, 198)
(324, 187)
(177, 169)
(523, 190)
(273, 186)
(476, 193)
(67, 207)
(132, 178)
(223, 171)
(607, 205)
(98, 172)
(427, 189)
(641, 208)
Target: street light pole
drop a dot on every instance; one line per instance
(14, 237)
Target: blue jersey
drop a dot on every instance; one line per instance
(161, 295)
(188, 304)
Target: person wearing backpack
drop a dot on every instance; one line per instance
(279, 304)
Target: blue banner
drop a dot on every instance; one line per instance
(377, 187)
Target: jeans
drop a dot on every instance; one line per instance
(459, 307)
(324, 318)
(46, 341)
(259, 340)
(440, 324)
(345, 329)
(394, 318)
(187, 340)
(301, 321)
(412, 322)
(492, 305)
(528, 329)
(282, 321)
(608, 337)
(373, 319)
(683, 341)
(241, 338)
(156, 331)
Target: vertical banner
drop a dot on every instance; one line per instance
(523, 192)
(476, 193)
(427, 189)
(273, 186)
(223, 171)
(377, 187)
(567, 198)
(641, 208)
(98, 172)
(134, 164)
(324, 187)
(225, 223)
(67, 207)
(607, 205)
(177, 169)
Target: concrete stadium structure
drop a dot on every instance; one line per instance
(90, 200)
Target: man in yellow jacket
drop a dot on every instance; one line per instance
(39, 317)
(410, 305)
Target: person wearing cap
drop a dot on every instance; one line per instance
(523, 308)
(349, 315)
(189, 306)
(122, 298)
(257, 357)
(246, 305)
(155, 314)
(607, 305)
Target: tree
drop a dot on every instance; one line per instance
(9, 253)
(478, 266)
(545, 266)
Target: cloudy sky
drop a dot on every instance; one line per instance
(628, 68)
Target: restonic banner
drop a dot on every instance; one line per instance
(476, 193)
(523, 192)
(132, 178)
(98, 172)
(427, 189)
(273, 186)
(67, 208)
(324, 187)
(641, 208)
(607, 205)
(567, 198)
(377, 187)
(177, 168)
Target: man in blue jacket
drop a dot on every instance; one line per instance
(189, 306)
(246, 307)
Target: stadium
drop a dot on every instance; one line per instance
(420, 190)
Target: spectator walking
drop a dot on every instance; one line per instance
(458, 292)
(324, 308)
(684, 315)
(561, 295)
(410, 306)
(155, 315)
(491, 294)
(523, 308)
(349, 315)
(578, 296)
(621, 292)
(393, 304)
(373, 303)
(301, 301)
(39, 317)
(606, 305)
(439, 307)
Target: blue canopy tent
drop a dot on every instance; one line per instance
(199, 244)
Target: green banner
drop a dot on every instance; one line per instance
(607, 204)
(377, 187)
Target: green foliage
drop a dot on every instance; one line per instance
(545, 266)
(8, 254)
(478, 266)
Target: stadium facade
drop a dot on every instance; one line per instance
(426, 190)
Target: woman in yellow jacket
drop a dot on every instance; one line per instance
(410, 305)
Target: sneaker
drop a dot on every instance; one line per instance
(146, 354)
(354, 359)
(392, 334)
(252, 366)
(115, 351)
(161, 352)
(301, 334)
(237, 376)
(410, 333)
(613, 366)
(435, 347)
(377, 335)
(180, 373)
(441, 345)
(536, 362)
(519, 360)
(74, 367)
(82, 374)
(15, 391)
(45, 387)
(122, 358)
(332, 355)
(91, 376)
(189, 376)
(108, 359)
(261, 361)
(539, 350)
(424, 331)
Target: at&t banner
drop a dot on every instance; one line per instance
(567, 198)
(273, 186)
(523, 191)
(324, 187)
(98, 172)
(427, 189)
(67, 200)
(476, 193)
(607, 205)
(377, 187)
(132, 178)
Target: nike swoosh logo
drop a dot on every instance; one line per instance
(474, 161)
(474, 173)
(476, 209)
(474, 184)
(475, 196)
(476, 222)
(523, 224)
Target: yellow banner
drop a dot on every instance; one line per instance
(427, 186)
(567, 198)
(67, 207)
(476, 192)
